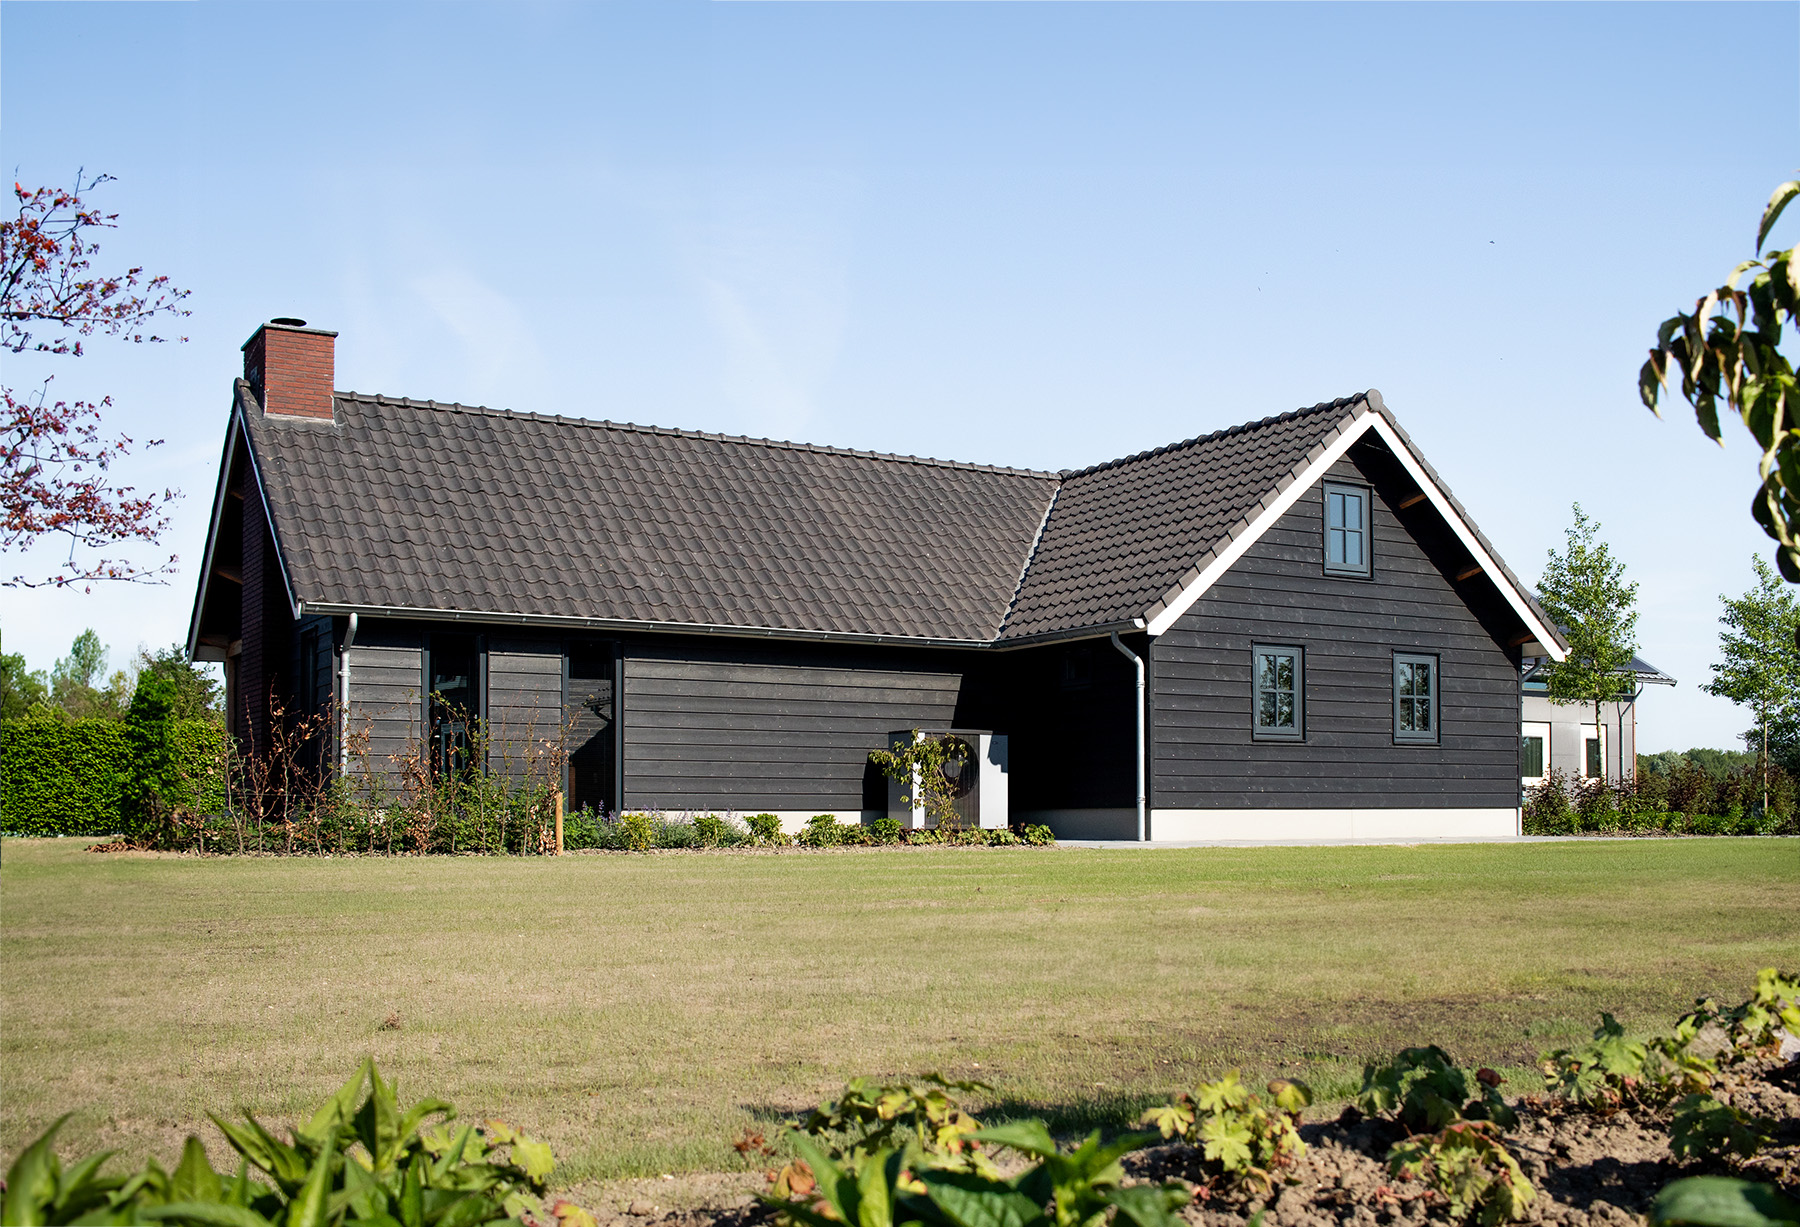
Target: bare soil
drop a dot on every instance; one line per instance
(1589, 1170)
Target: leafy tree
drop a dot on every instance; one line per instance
(928, 768)
(1584, 590)
(1728, 349)
(20, 689)
(1761, 669)
(197, 696)
(53, 460)
(155, 770)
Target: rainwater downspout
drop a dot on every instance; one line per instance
(344, 682)
(1139, 662)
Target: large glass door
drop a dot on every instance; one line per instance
(454, 668)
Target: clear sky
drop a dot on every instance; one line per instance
(1019, 234)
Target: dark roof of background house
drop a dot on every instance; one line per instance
(416, 505)
(1124, 532)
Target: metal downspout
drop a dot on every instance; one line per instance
(344, 714)
(1139, 662)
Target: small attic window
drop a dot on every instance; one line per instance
(1347, 543)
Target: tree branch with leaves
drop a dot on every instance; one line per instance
(54, 461)
(1727, 352)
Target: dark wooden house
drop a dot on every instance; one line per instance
(1285, 629)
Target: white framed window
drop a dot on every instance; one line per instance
(1415, 698)
(1534, 753)
(1277, 692)
(1346, 529)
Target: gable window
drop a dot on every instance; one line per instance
(1278, 693)
(1346, 529)
(1415, 698)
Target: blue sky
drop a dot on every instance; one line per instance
(1021, 234)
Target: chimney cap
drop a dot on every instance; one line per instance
(288, 321)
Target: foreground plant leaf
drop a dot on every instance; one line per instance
(1722, 1201)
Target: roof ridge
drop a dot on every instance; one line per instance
(1342, 402)
(677, 432)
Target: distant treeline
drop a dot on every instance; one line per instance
(1716, 763)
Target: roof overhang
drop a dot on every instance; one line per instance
(1372, 418)
(237, 434)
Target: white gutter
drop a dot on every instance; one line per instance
(1139, 662)
(344, 682)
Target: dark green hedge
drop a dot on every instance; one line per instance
(64, 777)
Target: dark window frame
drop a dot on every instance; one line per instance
(1258, 730)
(1365, 495)
(1412, 737)
(454, 644)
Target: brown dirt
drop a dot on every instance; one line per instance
(1589, 1170)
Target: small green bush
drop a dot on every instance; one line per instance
(1425, 1091)
(1037, 834)
(1240, 1139)
(885, 830)
(765, 829)
(1467, 1165)
(637, 832)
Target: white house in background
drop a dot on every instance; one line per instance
(1563, 737)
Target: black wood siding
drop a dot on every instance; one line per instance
(524, 705)
(387, 679)
(781, 726)
(1202, 752)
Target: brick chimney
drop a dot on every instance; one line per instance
(292, 368)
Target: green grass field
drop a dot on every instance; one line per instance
(639, 1012)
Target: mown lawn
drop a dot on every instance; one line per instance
(640, 1012)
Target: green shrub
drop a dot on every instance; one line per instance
(1242, 1140)
(1547, 810)
(637, 832)
(367, 1161)
(1470, 1168)
(1037, 834)
(68, 777)
(820, 831)
(885, 830)
(765, 829)
(1604, 1073)
(1426, 1091)
(712, 831)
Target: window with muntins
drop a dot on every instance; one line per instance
(1278, 698)
(1531, 757)
(1346, 530)
(1415, 698)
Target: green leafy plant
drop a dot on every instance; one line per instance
(1470, 1168)
(712, 831)
(637, 832)
(765, 829)
(1706, 1128)
(885, 830)
(1037, 834)
(1753, 1027)
(1722, 1201)
(352, 1162)
(1244, 1141)
(883, 1189)
(928, 768)
(1603, 1073)
(1426, 1091)
(924, 1118)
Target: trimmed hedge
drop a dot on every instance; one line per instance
(66, 777)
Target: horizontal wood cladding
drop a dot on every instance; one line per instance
(524, 708)
(386, 687)
(1203, 755)
(777, 727)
